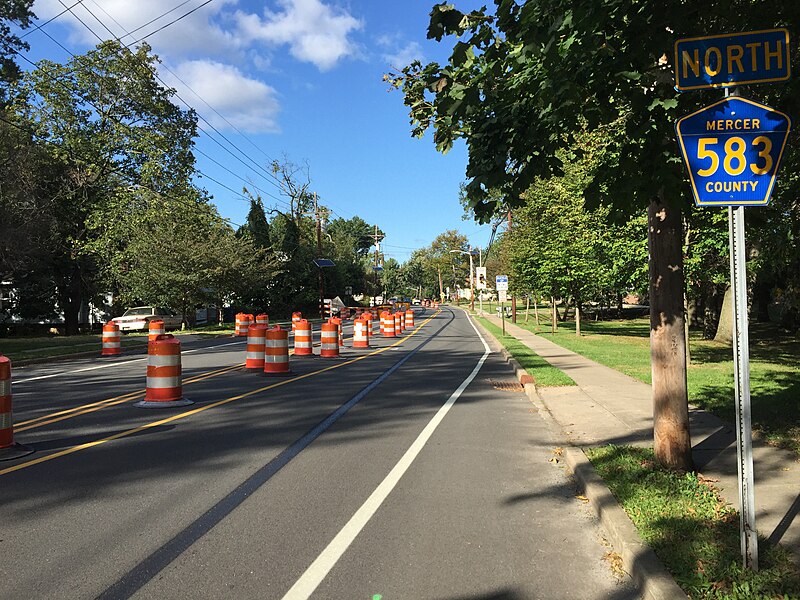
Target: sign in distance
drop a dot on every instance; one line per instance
(727, 60)
(501, 282)
(732, 150)
(480, 278)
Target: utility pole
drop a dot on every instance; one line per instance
(513, 298)
(377, 239)
(319, 255)
(471, 283)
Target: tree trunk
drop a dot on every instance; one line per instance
(577, 318)
(527, 307)
(554, 327)
(441, 289)
(725, 324)
(672, 441)
(536, 308)
(69, 297)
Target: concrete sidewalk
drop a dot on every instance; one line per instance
(608, 407)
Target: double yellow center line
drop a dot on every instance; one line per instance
(193, 411)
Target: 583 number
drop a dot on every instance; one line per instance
(734, 161)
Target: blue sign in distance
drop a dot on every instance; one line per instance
(732, 59)
(501, 282)
(732, 150)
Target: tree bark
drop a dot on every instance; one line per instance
(671, 437)
(577, 318)
(725, 323)
(555, 314)
(70, 296)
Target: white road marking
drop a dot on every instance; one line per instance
(319, 569)
(115, 364)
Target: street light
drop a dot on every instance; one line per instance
(471, 277)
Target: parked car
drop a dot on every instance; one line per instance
(138, 318)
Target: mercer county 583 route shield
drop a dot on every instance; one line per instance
(732, 150)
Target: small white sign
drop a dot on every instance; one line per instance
(501, 282)
(480, 278)
(502, 295)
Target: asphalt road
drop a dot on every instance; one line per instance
(397, 472)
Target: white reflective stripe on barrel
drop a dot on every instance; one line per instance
(164, 360)
(110, 334)
(6, 420)
(112, 344)
(298, 344)
(273, 343)
(5, 387)
(254, 355)
(164, 382)
(276, 358)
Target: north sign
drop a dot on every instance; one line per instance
(732, 59)
(732, 150)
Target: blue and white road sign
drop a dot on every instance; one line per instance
(732, 150)
(501, 282)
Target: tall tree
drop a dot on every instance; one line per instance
(104, 119)
(518, 86)
(19, 12)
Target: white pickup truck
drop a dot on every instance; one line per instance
(138, 318)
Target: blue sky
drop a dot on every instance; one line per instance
(300, 79)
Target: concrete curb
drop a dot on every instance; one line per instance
(639, 561)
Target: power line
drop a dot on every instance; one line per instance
(270, 177)
(50, 20)
(173, 21)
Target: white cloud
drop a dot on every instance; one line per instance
(196, 32)
(401, 57)
(315, 32)
(249, 104)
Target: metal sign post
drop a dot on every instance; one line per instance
(741, 371)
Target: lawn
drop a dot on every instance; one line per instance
(691, 529)
(774, 369)
(543, 374)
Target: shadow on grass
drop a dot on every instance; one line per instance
(774, 404)
(691, 529)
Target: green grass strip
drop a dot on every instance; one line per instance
(543, 373)
(693, 531)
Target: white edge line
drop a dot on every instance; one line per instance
(319, 569)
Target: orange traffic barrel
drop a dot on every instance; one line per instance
(8, 448)
(329, 347)
(302, 339)
(367, 318)
(382, 322)
(256, 342)
(243, 321)
(262, 319)
(164, 388)
(296, 316)
(387, 320)
(154, 329)
(276, 352)
(398, 323)
(112, 346)
(409, 319)
(360, 335)
(338, 322)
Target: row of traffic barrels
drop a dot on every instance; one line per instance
(267, 353)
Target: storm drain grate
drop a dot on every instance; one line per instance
(507, 386)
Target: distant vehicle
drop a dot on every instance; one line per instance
(138, 318)
(416, 302)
